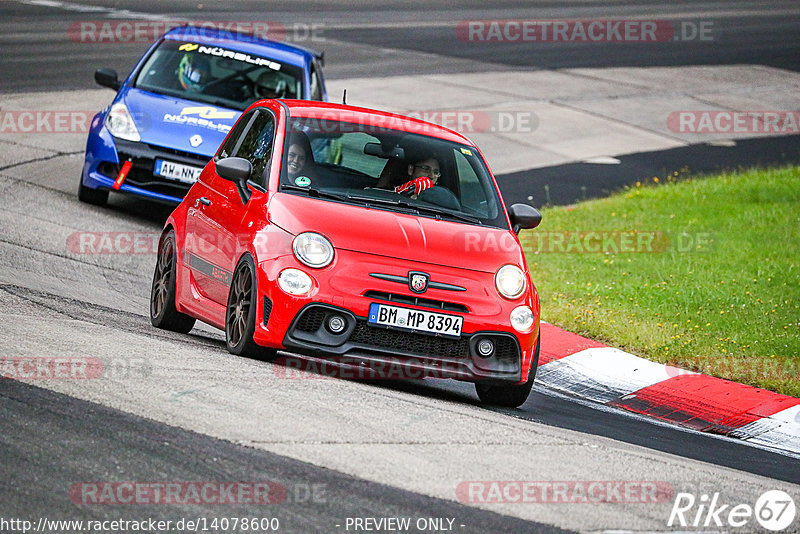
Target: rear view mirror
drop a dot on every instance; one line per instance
(238, 171)
(524, 216)
(376, 149)
(107, 78)
(234, 169)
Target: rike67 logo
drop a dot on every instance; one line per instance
(774, 510)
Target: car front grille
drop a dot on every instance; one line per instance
(200, 160)
(410, 342)
(416, 301)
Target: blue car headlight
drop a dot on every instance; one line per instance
(120, 123)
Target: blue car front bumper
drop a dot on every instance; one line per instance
(105, 155)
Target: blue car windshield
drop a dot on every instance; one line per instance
(217, 75)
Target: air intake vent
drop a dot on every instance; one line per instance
(416, 301)
(267, 310)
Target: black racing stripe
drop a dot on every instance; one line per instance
(215, 272)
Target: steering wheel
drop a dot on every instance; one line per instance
(440, 196)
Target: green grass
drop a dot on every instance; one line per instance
(720, 291)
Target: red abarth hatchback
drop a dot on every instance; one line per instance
(338, 232)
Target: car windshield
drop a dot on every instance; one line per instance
(217, 75)
(387, 168)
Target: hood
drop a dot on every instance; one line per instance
(397, 235)
(171, 122)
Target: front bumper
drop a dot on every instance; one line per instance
(300, 323)
(105, 155)
(418, 354)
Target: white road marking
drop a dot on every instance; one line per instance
(109, 11)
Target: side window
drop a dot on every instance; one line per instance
(228, 148)
(257, 144)
(473, 197)
(350, 151)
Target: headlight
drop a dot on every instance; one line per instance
(313, 250)
(522, 319)
(510, 281)
(295, 282)
(120, 123)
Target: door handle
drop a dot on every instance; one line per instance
(202, 200)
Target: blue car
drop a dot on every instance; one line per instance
(177, 105)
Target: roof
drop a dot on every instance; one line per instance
(244, 42)
(358, 115)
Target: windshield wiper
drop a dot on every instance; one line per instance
(314, 192)
(448, 213)
(408, 206)
(385, 201)
(417, 208)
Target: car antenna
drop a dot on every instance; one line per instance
(344, 97)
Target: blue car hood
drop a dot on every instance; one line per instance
(172, 122)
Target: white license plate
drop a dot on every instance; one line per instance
(177, 171)
(418, 320)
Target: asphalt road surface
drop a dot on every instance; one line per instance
(400, 37)
(180, 408)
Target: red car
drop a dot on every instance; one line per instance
(339, 232)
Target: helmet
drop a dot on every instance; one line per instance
(194, 72)
(270, 85)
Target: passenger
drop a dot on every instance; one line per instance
(298, 156)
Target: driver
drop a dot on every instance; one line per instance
(194, 72)
(269, 85)
(427, 172)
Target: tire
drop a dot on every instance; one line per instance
(96, 197)
(509, 396)
(240, 313)
(163, 313)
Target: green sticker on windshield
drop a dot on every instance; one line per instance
(302, 181)
(466, 151)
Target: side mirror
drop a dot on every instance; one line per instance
(524, 216)
(107, 78)
(238, 171)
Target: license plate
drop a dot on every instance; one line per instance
(177, 171)
(417, 320)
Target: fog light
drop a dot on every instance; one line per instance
(485, 348)
(336, 324)
(522, 318)
(295, 282)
